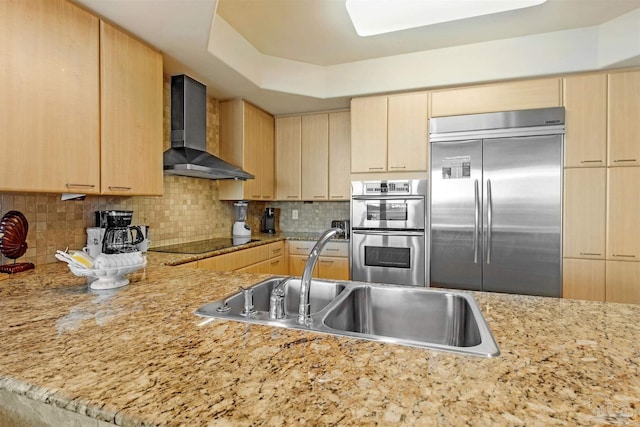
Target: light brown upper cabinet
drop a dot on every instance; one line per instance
(584, 213)
(585, 102)
(315, 157)
(624, 119)
(369, 134)
(408, 133)
(339, 155)
(312, 156)
(389, 134)
(521, 95)
(623, 214)
(288, 158)
(131, 115)
(247, 141)
(49, 114)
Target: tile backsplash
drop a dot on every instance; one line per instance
(312, 216)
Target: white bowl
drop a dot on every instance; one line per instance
(107, 278)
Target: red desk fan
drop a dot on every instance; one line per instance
(13, 241)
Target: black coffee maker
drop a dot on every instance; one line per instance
(120, 236)
(269, 221)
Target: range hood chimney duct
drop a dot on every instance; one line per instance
(187, 155)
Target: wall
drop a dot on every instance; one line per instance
(312, 216)
(188, 211)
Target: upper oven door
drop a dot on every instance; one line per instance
(388, 212)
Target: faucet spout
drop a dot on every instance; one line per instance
(304, 312)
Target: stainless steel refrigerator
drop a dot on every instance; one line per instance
(496, 202)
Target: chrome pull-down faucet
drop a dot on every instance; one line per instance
(304, 311)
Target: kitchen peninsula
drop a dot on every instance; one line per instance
(139, 356)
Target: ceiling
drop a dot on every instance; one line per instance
(290, 56)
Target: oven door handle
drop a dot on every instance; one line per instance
(389, 233)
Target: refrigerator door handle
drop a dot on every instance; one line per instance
(477, 224)
(489, 220)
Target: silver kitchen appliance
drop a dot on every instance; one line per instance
(343, 224)
(388, 232)
(496, 201)
(120, 236)
(240, 226)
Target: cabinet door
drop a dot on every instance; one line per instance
(522, 95)
(277, 265)
(267, 126)
(315, 157)
(623, 205)
(297, 263)
(583, 279)
(253, 152)
(623, 282)
(333, 268)
(288, 158)
(624, 125)
(131, 115)
(49, 86)
(339, 155)
(407, 133)
(369, 134)
(584, 212)
(585, 103)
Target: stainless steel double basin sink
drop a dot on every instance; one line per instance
(417, 317)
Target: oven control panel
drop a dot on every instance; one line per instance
(387, 187)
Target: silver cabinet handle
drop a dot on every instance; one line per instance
(397, 167)
(489, 221)
(376, 169)
(476, 224)
(624, 256)
(590, 254)
(118, 188)
(71, 185)
(590, 161)
(624, 160)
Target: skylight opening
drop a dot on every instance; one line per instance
(372, 17)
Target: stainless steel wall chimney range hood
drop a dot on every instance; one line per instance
(187, 155)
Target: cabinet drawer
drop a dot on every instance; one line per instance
(303, 247)
(236, 260)
(276, 249)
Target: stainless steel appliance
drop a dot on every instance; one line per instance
(120, 236)
(496, 201)
(343, 224)
(240, 227)
(188, 154)
(269, 221)
(388, 231)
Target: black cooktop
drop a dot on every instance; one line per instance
(203, 245)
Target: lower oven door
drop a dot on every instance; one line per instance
(395, 257)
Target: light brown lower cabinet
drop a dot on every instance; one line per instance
(327, 267)
(583, 279)
(333, 262)
(268, 259)
(599, 280)
(623, 282)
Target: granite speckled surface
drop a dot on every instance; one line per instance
(139, 356)
(261, 239)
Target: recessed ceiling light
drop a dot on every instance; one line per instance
(371, 17)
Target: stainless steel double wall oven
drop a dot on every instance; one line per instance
(388, 232)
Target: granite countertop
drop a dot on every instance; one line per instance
(139, 356)
(259, 239)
